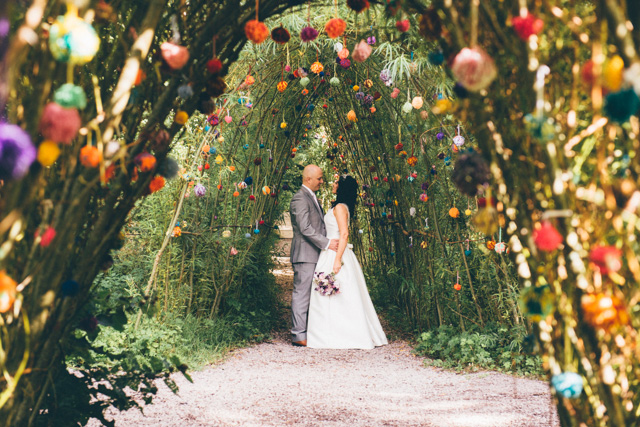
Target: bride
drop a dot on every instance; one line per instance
(346, 319)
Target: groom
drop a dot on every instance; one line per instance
(309, 238)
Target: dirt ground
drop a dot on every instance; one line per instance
(275, 384)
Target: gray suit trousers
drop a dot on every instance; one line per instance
(302, 278)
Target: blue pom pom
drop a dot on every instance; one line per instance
(70, 288)
(261, 145)
(247, 235)
(467, 252)
(568, 384)
(620, 106)
(245, 146)
(256, 231)
(436, 58)
(213, 150)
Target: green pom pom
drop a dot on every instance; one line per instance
(70, 96)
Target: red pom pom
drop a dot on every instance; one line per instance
(47, 236)
(527, 26)
(403, 26)
(252, 197)
(587, 72)
(335, 27)
(280, 35)
(59, 124)
(214, 66)
(358, 5)
(547, 238)
(256, 31)
(606, 258)
(156, 184)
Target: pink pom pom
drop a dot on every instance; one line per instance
(361, 51)
(474, 69)
(59, 124)
(228, 119)
(395, 93)
(287, 68)
(547, 238)
(174, 55)
(403, 26)
(607, 258)
(308, 34)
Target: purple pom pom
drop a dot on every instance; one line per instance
(199, 190)
(345, 63)
(308, 34)
(16, 152)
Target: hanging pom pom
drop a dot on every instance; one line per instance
(256, 31)
(474, 69)
(47, 237)
(345, 63)
(385, 75)
(454, 212)
(70, 96)
(344, 53)
(282, 86)
(407, 107)
(334, 81)
(547, 238)
(308, 34)
(169, 168)
(403, 26)
(48, 153)
(317, 67)
(470, 172)
(199, 190)
(351, 115)
(527, 26)
(214, 66)
(304, 81)
(568, 384)
(280, 35)
(185, 91)
(424, 114)
(371, 40)
(8, 291)
(395, 92)
(181, 118)
(145, 162)
(90, 156)
(156, 184)
(417, 102)
(338, 47)
(358, 5)
(604, 311)
(361, 52)
(606, 258)
(17, 153)
(73, 40)
(620, 106)
(174, 55)
(612, 73)
(59, 124)
(335, 28)
(266, 190)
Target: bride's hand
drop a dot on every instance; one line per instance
(336, 267)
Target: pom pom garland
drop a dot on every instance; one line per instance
(335, 28)
(256, 31)
(474, 69)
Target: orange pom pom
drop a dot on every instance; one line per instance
(145, 162)
(156, 183)
(249, 80)
(7, 291)
(256, 31)
(282, 86)
(454, 212)
(335, 27)
(90, 156)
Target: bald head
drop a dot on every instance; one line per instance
(312, 177)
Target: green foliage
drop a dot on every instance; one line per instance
(493, 347)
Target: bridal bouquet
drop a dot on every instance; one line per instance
(325, 283)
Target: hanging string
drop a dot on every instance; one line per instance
(257, 6)
(288, 60)
(214, 45)
(175, 29)
(475, 4)
(282, 70)
(335, 5)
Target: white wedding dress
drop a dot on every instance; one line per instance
(346, 319)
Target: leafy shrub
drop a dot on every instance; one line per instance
(494, 347)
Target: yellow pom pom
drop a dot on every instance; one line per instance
(613, 73)
(181, 118)
(351, 115)
(283, 125)
(48, 153)
(356, 87)
(219, 159)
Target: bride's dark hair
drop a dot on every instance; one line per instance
(347, 193)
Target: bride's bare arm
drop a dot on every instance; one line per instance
(341, 213)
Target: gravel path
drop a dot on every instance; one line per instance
(275, 384)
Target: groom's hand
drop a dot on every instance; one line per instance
(333, 245)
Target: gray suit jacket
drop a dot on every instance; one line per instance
(309, 232)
